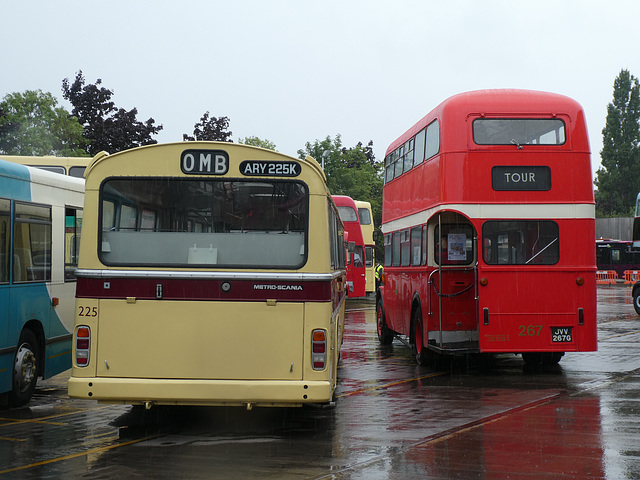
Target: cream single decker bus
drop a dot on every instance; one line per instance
(210, 273)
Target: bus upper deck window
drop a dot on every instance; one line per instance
(519, 131)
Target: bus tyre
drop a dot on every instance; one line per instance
(421, 353)
(25, 370)
(535, 359)
(385, 335)
(636, 300)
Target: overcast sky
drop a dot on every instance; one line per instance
(293, 71)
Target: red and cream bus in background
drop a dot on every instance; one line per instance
(488, 222)
(368, 229)
(356, 260)
(211, 274)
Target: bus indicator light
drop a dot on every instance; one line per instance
(83, 332)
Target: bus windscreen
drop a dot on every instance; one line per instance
(196, 222)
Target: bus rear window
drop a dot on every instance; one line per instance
(195, 222)
(518, 131)
(521, 242)
(347, 214)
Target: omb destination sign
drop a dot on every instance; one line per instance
(207, 162)
(534, 177)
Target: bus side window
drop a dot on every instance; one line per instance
(5, 230)
(32, 243)
(73, 228)
(615, 255)
(387, 250)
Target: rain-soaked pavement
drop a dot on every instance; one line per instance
(392, 419)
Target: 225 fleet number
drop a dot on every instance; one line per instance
(88, 311)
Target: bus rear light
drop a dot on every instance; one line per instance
(485, 315)
(82, 359)
(580, 316)
(83, 345)
(319, 349)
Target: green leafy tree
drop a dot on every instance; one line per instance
(618, 180)
(351, 171)
(106, 127)
(211, 129)
(32, 123)
(258, 142)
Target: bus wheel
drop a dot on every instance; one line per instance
(552, 358)
(25, 370)
(385, 335)
(421, 353)
(534, 359)
(636, 300)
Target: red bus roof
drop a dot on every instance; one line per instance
(455, 110)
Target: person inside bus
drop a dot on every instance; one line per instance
(516, 251)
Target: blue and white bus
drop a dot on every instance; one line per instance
(40, 224)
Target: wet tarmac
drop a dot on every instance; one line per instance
(474, 418)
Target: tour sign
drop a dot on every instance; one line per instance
(204, 162)
(522, 178)
(268, 168)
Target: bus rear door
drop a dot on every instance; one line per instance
(452, 284)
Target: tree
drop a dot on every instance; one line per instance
(105, 126)
(7, 130)
(32, 123)
(211, 129)
(257, 142)
(618, 180)
(351, 171)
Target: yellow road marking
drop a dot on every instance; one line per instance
(44, 420)
(74, 455)
(387, 385)
(619, 335)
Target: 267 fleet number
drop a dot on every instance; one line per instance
(530, 330)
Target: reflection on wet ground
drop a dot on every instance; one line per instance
(474, 417)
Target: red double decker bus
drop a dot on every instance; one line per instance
(488, 222)
(356, 260)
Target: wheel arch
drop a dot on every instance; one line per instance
(416, 304)
(35, 326)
